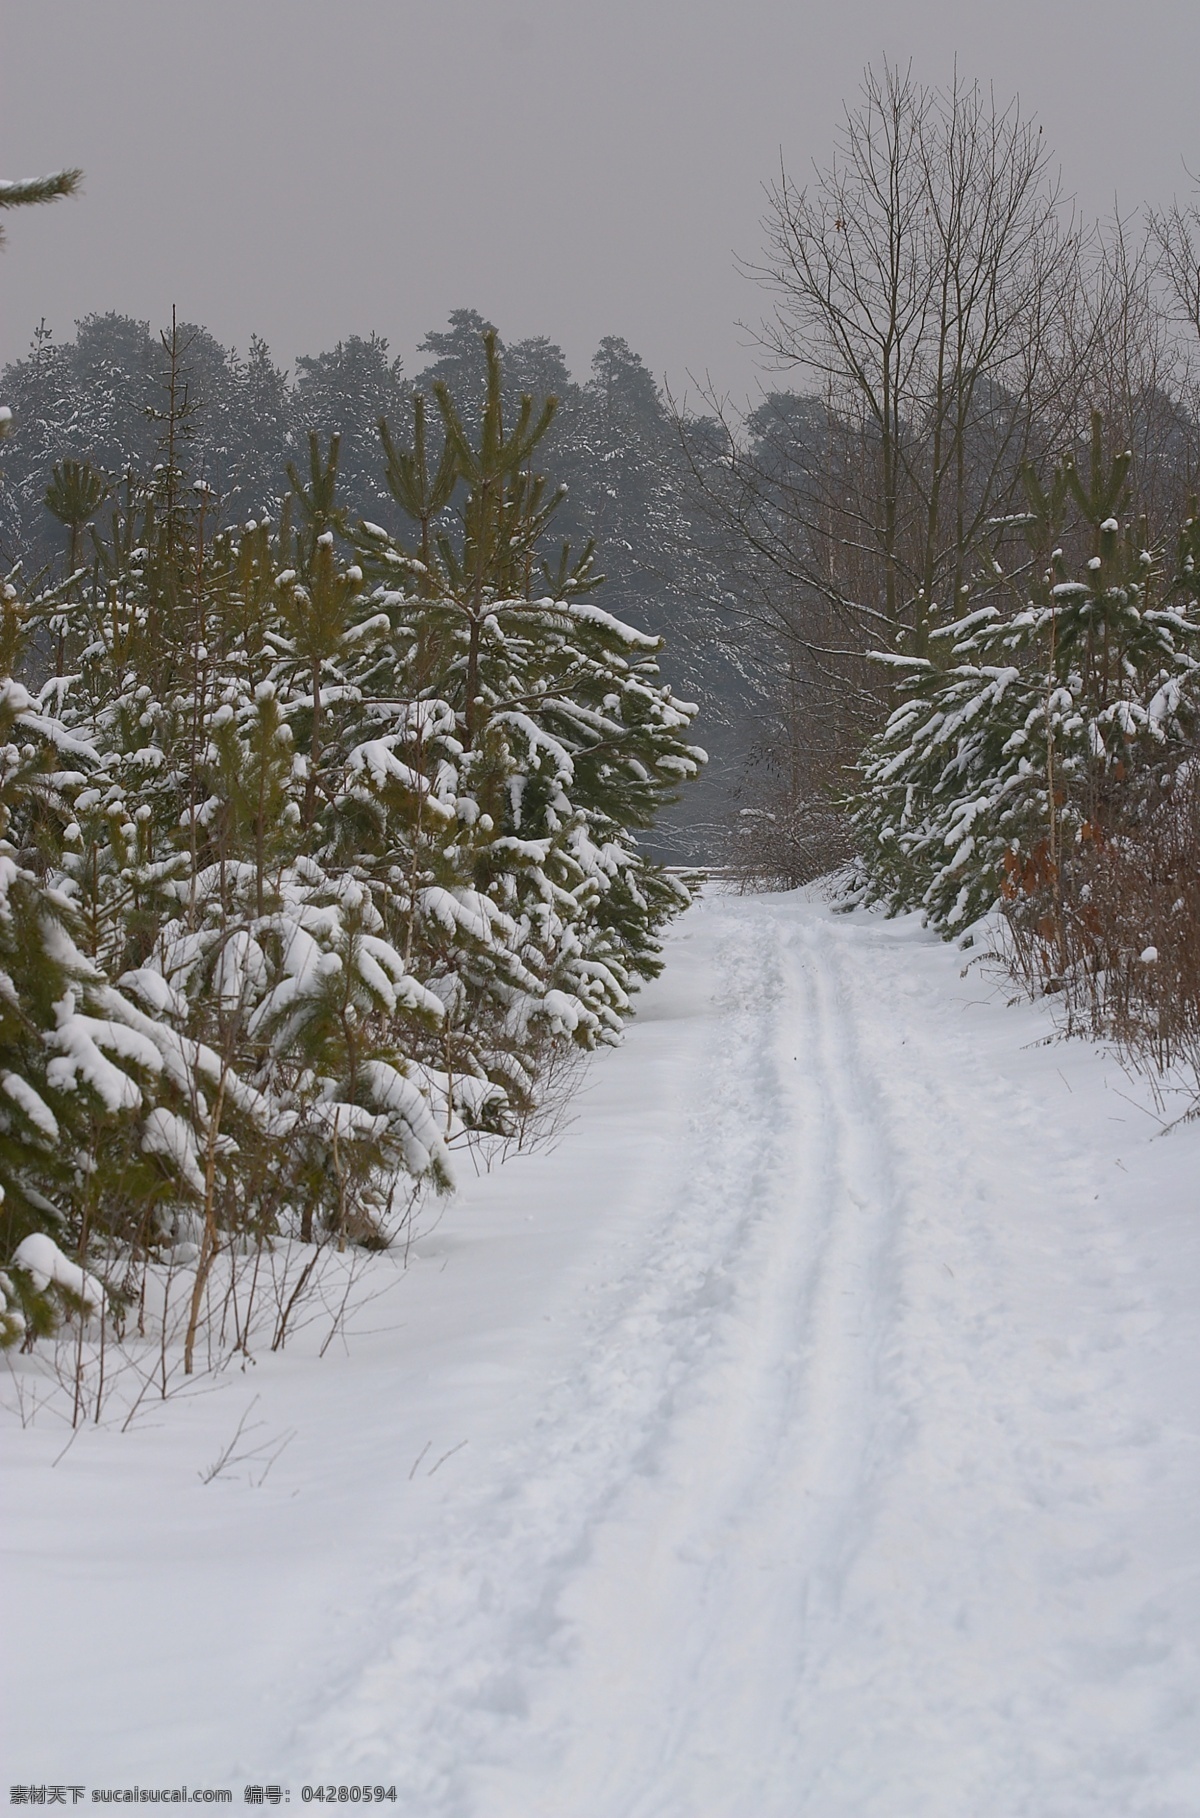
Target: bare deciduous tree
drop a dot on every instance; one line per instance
(920, 285)
(948, 320)
(1175, 236)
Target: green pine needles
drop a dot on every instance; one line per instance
(1032, 739)
(320, 845)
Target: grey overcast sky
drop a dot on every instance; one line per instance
(308, 170)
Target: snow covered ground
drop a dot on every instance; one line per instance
(815, 1430)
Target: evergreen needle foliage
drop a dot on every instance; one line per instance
(319, 846)
(26, 191)
(1029, 745)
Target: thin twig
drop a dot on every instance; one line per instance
(445, 1455)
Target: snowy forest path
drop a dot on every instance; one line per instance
(818, 1453)
(811, 1433)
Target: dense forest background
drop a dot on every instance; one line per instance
(615, 444)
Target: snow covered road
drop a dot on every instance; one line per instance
(813, 1432)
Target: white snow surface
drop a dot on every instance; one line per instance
(813, 1431)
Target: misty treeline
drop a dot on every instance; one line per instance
(320, 803)
(613, 444)
(967, 542)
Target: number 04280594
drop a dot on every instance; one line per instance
(347, 1795)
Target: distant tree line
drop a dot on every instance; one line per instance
(614, 445)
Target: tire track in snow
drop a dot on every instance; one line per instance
(864, 1616)
(994, 1654)
(708, 1566)
(804, 1528)
(476, 1614)
(823, 1296)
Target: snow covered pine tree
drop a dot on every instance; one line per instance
(1021, 749)
(349, 851)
